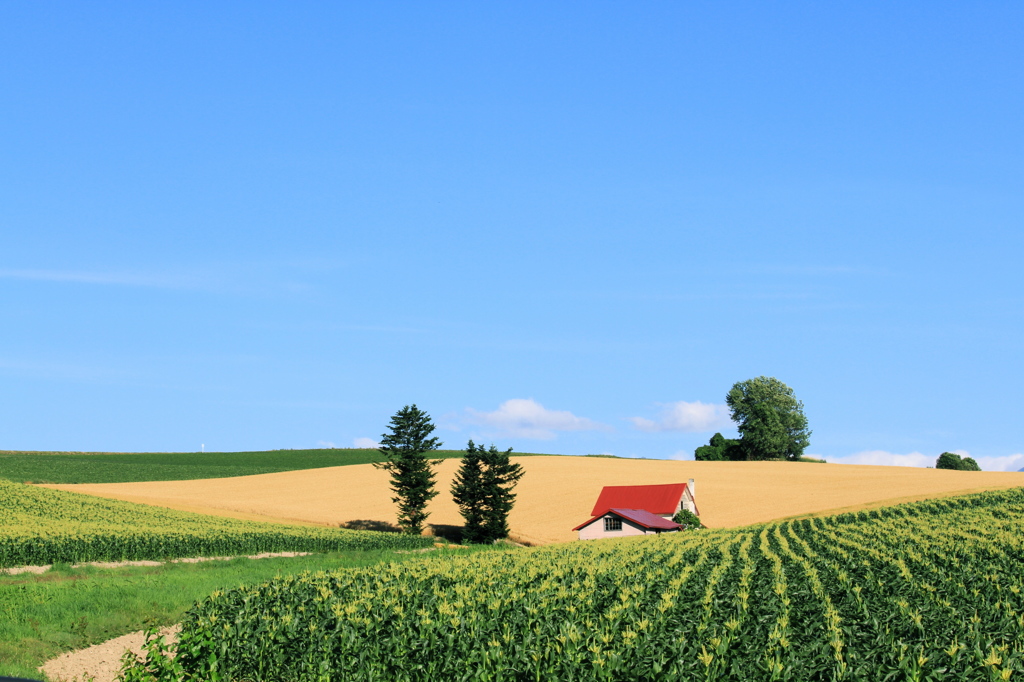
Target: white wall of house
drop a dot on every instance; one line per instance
(687, 502)
(596, 531)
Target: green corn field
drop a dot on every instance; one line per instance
(43, 526)
(923, 591)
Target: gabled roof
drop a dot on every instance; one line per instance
(641, 517)
(657, 499)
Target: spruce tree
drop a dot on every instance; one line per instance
(412, 472)
(500, 476)
(468, 492)
(483, 490)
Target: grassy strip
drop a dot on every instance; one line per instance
(105, 467)
(42, 616)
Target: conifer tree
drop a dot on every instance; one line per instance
(483, 491)
(412, 472)
(468, 492)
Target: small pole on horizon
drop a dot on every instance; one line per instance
(203, 446)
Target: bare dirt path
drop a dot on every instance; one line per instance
(558, 493)
(100, 662)
(118, 564)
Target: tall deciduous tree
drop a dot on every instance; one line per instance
(405, 451)
(483, 491)
(769, 418)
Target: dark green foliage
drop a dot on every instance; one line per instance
(468, 492)
(720, 449)
(951, 460)
(483, 491)
(687, 519)
(769, 418)
(405, 451)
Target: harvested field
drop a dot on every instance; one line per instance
(558, 493)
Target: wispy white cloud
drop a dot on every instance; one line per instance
(365, 443)
(59, 371)
(884, 458)
(813, 270)
(1006, 463)
(109, 278)
(695, 417)
(379, 328)
(325, 444)
(526, 418)
(918, 459)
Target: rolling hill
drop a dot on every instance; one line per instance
(557, 493)
(121, 467)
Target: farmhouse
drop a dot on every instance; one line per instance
(623, 510)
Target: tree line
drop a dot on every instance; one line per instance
(482, 487)
(773, 426)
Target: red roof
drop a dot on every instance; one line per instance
(657, 499)
(641, 517)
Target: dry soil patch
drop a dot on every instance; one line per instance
(100, 662)
(118, 564)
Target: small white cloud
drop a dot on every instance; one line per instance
(883, 458)
(917, 459)
(365, 443)
(325, 444)
(526, 418)
(695, 417)
(1007, 463)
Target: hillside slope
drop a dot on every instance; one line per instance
(557, 493)
(39, 526)
(122, 467)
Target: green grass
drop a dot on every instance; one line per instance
(42, 616)
(122, 467)
(43, 526)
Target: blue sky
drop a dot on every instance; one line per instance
(558, 227)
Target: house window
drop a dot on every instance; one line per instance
(612, 523)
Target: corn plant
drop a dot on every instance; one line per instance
(926, 591)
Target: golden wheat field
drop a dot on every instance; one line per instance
(557, 493)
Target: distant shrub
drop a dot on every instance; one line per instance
(950, 460)
(720, 449)
(968, 464)
(688, 520)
